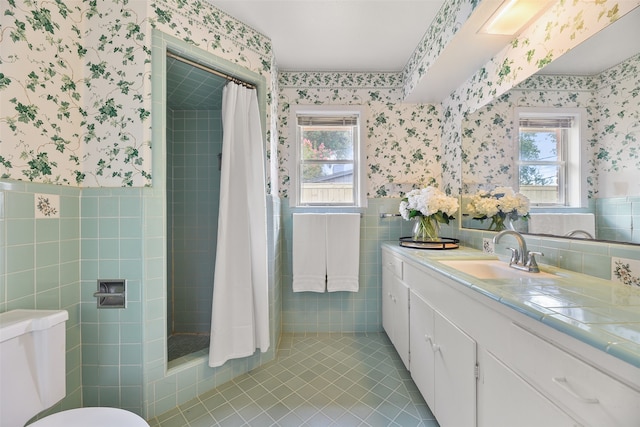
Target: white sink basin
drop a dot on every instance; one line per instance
(491, 269)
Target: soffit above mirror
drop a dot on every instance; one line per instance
(607, 48)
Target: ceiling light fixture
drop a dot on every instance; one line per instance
(514, 15)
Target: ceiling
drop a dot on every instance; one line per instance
(368, 36)
(381, 36)
(337, 35)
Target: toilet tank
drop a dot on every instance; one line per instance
(32, 363)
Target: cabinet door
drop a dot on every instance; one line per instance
(422, 333)
(505, 399)
(455, 378)
(387, 302)
(401, 319)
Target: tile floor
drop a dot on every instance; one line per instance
(319, 380)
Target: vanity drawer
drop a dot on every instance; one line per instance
(587, 393)
(393, 263)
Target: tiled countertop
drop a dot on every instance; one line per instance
(601, 313)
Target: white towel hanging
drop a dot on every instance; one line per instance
(309, 252)
(343, 252)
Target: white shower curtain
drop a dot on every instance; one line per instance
(240, 309)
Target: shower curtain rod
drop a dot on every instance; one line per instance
(210, 70)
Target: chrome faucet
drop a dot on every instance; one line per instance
(521, 258)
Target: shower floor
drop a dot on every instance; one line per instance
(179, 345)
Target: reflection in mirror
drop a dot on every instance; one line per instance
(598, 83)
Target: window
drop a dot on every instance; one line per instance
(550, 171)
(328, 158)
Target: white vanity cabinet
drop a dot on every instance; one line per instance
(395, 305)
(505, 399)
(443, 360)
(591, 396)
(480, 362)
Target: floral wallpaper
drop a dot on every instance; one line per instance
(562, 27)
(612, 103)
(75, 83)
(402, 140)
(42, 88)
(616, 147)
(444, 27)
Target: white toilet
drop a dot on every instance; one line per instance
(32, 374)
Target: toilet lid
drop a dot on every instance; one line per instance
(94, 417)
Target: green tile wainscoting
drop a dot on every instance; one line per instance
(117, 357)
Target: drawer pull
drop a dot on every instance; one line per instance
(564, 384)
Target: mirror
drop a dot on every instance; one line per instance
(599, 78)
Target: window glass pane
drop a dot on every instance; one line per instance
(327, 183)
(327, 143)
(540, 183)
(539, 144)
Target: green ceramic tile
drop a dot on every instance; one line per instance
(47, 278)
(89, 228)
(19, 205)
(48, 300)
(47, 254)
(109, 248)
(69, 206)
(20, 258)
(596, 265)
(20, 231)
(89, 206)
(109, 228)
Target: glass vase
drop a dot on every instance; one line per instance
(426, 228)
(501, 222)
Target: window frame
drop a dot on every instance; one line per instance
(359, 157)
(572, 156)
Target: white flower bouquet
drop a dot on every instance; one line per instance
(499, 204)
(429, 206)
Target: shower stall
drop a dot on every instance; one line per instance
(194, 147)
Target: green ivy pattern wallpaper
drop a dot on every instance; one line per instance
(75, 83)
(75, 87)
(566, 24)
(612, 104)
(442, 30)
(402, 140)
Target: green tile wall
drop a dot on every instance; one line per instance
(343, 311)
(40, 265)
(193, 193)
(112, 248)
(617, 219)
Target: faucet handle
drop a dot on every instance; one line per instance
(514, 256)
(531, 261)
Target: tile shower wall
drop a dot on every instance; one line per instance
(40, 264)
(112, 247)
(193, 194)
(166, 386)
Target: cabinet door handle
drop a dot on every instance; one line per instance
(427, 338)
(436, 348)
(564, 384)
